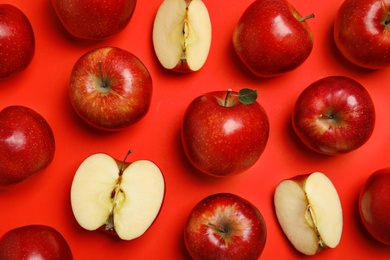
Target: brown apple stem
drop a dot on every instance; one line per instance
(326, 116)
(310, 16)
(121, 169)
(219, 229)
(386, 22)
(104, 85)
(227, 97)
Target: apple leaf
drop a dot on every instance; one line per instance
(247, 96)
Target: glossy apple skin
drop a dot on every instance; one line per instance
(361, 32)
(94, 19)
(223, 140)
(270, 39)
(225, 226)
(17, 41)
(334, 115)
(374, 205)
(34, 242)
(27, 144)
(118, 97)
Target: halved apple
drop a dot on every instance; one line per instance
(309, 212)
(182, 34)
(121, 197)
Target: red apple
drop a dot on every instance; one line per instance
(309, 211)
(221, 135)
(272, 38)
(110, 88)
(334, 115)
(26, 144)
(123, 199)
(94, 19)
(34, 242)
(17, 41)
(361, 32)
(225, 226)
(374, 205)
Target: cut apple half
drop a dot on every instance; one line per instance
(309, 212)
(124, 198)
(182, 35)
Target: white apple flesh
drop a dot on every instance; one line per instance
(182, 35)
(125, 198)
(309, 212)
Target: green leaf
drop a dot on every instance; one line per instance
(247, 96)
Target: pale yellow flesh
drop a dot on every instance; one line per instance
(309, 231)
(143, 188)
(181, 34)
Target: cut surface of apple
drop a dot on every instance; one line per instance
(309, 212)
(182, 34)
(125, 198)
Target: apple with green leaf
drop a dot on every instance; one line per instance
(272, 38)
(224, 132)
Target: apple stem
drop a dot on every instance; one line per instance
(386, 22)
(219, 229)
(104, 82)
(229, 91)
(326, 116)
(310, 16)
(124, 162)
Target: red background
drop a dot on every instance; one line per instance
(44, 198)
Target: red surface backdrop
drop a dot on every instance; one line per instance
(44, 198)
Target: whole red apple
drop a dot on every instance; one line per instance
(361, 32)
(110, 88)
(225, 226)
(26, 144)
(334, 115)
(17, 41)
(94, 19)
(221, 135)
(374, 205)
(272, 38)
(34, 242)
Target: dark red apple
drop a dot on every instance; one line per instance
(94, 19)
(272, 38)
(361, 32)
(26, 144)
(221, 135)
(34, 242)
(17, 41)
(225, 226)
(374, 205)
(110, 88)
(334, 115)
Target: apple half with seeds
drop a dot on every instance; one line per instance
(309, 212)
(182, 35)
(122, 198)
